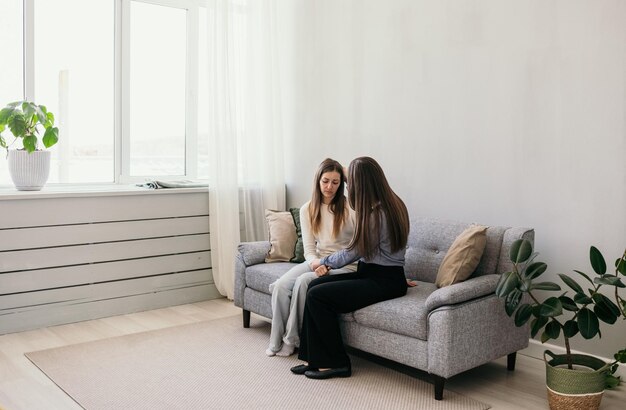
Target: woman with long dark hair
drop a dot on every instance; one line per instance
(379, 244)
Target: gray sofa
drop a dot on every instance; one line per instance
(441, 331)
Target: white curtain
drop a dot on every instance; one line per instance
(245, 130)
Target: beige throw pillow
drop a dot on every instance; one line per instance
(463, 256)
(283, 236)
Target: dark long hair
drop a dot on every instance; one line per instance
(337, 206)
(371, 196)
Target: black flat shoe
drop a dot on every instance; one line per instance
(327, 374)
(301, 369)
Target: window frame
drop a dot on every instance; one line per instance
(121, 137)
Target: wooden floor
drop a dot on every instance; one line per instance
(23, 386)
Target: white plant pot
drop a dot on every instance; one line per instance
(29, 172)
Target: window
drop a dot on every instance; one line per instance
(120, 76)
(157, 86)
(12, 67)
(74, 74)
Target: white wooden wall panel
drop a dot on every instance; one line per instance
(101, 252)
(46, 236)
(89, 209)
(55, 315)
(64, 259)
(19, 302)
(26, 281)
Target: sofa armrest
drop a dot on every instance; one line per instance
(253, 253)
(463, 291)
(470, 334)
(248, 253)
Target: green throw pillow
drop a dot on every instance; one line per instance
(299, 252)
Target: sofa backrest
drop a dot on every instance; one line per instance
(430, 239)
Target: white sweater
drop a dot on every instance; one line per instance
(324, 244)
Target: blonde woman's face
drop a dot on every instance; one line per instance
(329, 183)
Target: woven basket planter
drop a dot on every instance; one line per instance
(574, 389)
(29, 172)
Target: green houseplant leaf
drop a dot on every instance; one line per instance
(520, 251)
(512, 301)
(30, 143)
(611, 381)
(50, 137)
(28, 108)
(5, 114)
(597, 261)
(605, 309)
(41, 115)
(523, 314)
(508, 281)
(545, 286)
(535, 269)
(568, 304)
(610, 280)
(588, 324)
(570, 328)
(551, 307)
(604, 314)
(571, 283)
(27, 122)
(553, 330)
(17, 124)
(537, 324)
(620, 265)
(582, 299)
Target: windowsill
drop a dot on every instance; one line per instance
(76, 191)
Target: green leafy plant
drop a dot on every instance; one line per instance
(25, 120)
(563, 315)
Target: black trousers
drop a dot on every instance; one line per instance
(321, 344)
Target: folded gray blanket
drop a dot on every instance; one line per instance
(173, 184)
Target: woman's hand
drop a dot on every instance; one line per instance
(315, 263)
(410, 283)
(321, 270)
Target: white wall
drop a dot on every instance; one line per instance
(500, 112)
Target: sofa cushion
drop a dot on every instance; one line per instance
(491, 255)
(259, 277)
(406, 315)
(283, 236)
(463, 256)
(430, 239)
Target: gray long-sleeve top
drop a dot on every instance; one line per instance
(382, 255)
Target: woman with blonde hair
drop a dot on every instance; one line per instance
(327, 225)
(379, 244)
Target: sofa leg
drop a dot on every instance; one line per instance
(510, 361)
(246, 318)
(438, 382)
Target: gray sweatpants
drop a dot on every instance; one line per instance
(288, 297)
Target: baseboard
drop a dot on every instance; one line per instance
(535, 349)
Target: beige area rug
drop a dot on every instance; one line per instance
(218, 364)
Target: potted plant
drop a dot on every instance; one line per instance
(28, 166)
(574, 381)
